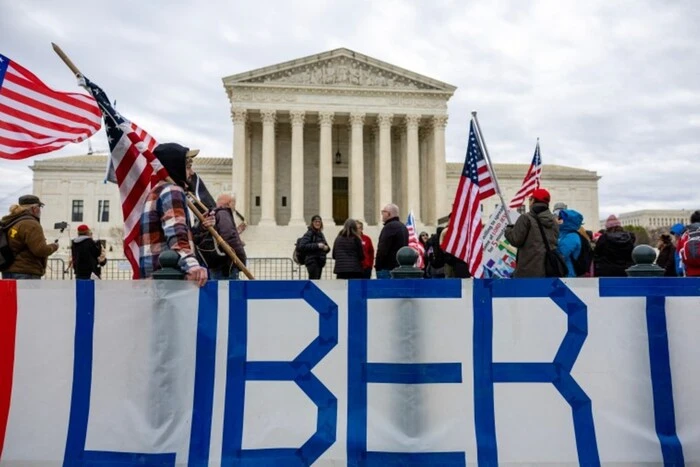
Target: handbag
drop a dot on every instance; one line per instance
(554, 264)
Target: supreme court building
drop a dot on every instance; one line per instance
(338, 134)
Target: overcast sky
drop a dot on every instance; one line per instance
(612, 87)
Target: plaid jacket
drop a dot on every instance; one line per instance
(165, 226)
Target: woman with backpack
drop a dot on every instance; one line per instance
(314, 247)
(348, 252)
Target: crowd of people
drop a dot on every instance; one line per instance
(545, 239)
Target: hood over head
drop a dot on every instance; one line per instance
(571, 220)
(174, 158)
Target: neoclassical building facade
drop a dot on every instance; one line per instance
(338, 134)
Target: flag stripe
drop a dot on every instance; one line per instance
(414, 241)
(530, 182)
(8, 329)
(463, 236)
(35, 119)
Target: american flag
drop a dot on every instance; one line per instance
(463, 237)
(530, 182)
(136, 170)
(35, 119)
(413, 240)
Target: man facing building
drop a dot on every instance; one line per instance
(393, 236)
(26, 240)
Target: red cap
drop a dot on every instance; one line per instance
(542, 195)
(82, 228)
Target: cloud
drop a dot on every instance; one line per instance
(607, 86)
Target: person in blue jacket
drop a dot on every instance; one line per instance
(677, 232)
(569, 239)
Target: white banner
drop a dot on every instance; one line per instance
(383, 372)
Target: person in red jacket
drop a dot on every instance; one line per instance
(368, 249)
(688, 252)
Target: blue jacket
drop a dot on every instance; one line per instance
(569, 240)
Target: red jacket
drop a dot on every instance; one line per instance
(691, 270)
(368, 250)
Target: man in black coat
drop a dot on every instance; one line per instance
(394, 235)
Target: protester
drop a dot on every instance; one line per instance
(613, 250)
(677, 232)
(558, 207)
(87, 256)
(435, 256)
(393, 236)
(526, 236)
(315, 248)
(348, 252)
(26, 239)
(218, 262)
(666, 257)
(689, 246)
(164, 222)
(368, 251)
(569, 239)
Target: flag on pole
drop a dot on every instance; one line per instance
(530, 182)
(413, 240)
(463, 237)
(35, 119)
(135, 169)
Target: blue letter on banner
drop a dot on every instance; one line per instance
(656, 290)
(486, 372)
(240, 370)
(75, 453)
(360, 372)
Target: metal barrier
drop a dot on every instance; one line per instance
(262, 268)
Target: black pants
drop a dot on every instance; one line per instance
(350, 275)
(367, 273)
(314, 270)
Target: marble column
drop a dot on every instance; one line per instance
(357, 179)
(441, 203)
(426, 178)
(325, 167)
(403, 171)
(412, 167)
(297, 176)
(240, 161)
(384, 173)
(375, 174)
(267, 215)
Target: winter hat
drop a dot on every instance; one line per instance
(83, 229)
(559, 207)
(678, 229)
(542, 195)
(612, 221)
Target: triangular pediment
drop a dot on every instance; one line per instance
(339, 68)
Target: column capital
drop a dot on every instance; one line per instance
(297, 117)
(325, 118)
(385, 120)
(412, 120)
(423, 132)
(269, 116)
(239, 115)
(357, 118)
(439, 121)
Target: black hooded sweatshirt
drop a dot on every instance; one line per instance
(173, 158)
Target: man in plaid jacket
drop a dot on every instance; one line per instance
(164, 222)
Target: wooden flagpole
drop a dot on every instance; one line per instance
(225, 246)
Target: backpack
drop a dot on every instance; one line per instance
(582, 264)
(554, 264)
(298, 255)
(7, 256)
(211, 253)
(691, 248)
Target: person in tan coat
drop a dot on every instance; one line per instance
(26, 239)
(526, 236)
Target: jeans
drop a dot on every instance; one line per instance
(314, 270)
(19, 275)
(223, 274)
(383, 274)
